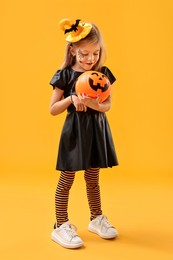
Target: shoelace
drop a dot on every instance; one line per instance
(70, 229)
(103, 220)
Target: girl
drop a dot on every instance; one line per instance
(86, 142)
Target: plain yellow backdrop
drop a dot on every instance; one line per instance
(138, 36)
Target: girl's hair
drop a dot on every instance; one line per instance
(93, 37)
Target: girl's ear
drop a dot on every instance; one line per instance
(72, 51)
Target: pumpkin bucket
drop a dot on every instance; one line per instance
(93, 83)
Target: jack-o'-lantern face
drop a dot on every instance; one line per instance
(93, 84)
(98, 81)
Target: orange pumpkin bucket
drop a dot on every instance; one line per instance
(93, 83)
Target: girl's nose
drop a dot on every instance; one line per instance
(90, 57)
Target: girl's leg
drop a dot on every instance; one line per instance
(93, 191)
(99, 223)
(62, 195)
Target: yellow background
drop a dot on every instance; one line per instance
(136, 195)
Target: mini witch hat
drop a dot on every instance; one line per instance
(76, 31)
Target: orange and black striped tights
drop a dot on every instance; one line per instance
(66, 179)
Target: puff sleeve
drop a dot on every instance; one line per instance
(59, 79)
(109, 74)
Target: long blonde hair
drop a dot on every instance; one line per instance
(93, 37)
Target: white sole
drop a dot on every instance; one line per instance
(66, 245)
(93, 230)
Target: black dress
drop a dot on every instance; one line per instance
(86, 141)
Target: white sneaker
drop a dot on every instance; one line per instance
(66, 236)
(102, 227)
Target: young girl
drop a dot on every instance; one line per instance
(86, 142)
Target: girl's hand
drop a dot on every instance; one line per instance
(94, 103)
(79, 105)
(90, 102)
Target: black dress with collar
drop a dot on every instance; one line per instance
(86, 140)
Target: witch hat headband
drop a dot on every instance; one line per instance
(76, 31)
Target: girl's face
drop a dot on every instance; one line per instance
(87, 55)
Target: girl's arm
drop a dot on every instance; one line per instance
(94, 103)
(58, 104)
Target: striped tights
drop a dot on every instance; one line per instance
(66, 179)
